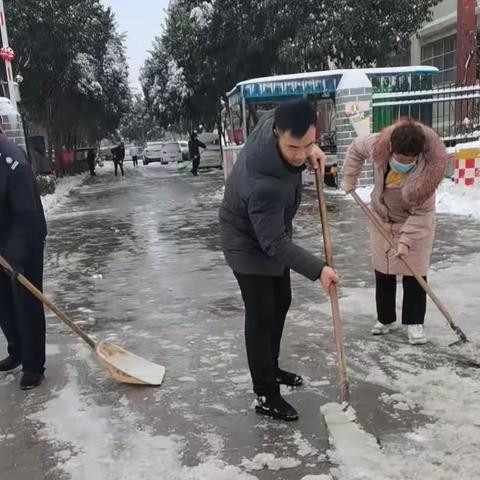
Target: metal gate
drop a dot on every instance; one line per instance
(453, 112)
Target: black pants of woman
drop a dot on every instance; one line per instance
(414, 299)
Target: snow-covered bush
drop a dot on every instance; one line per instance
(46, 184)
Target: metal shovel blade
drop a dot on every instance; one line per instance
(126, 367)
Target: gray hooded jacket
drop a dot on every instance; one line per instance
(262, 195)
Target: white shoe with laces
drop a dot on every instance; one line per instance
(383, 329)
(416, 335)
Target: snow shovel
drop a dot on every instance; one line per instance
(462, 338)
(122, 365)
(184, 166)
(350, 440)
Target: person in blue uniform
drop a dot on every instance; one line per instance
(22, 238)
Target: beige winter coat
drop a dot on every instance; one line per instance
(406, 209)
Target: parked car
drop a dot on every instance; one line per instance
(171, 152)
(153, 152)
(184, 149)
(212, 156)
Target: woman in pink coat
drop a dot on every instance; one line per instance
(409, 161)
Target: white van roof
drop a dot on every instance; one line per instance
(208, 137)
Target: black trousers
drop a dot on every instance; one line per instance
(22, 316)
(135, 161)
(267, 301)
(414, 299)
(195, 164)
(117, 164)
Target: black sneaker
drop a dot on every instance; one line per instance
(30, 380)
(276, 407)
(287, 378)
(9, 363)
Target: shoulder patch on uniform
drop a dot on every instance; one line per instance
(9, 160)
(14, 166)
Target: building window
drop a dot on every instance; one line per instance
(441, 54)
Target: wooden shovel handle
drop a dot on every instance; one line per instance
(337, 324)
(39, 295)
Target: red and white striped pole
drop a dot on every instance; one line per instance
(8, 63)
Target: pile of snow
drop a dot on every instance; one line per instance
(463, 146)
(355, 450)
(305, 448)
(270, 462)
(63, 188)
(459, 199)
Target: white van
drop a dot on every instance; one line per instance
(171, 153)
(184, 148)
(212, 156)
(153, 152)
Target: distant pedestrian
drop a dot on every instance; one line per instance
(118, 157)
(91, 161)
(134, 154)
(194, 145)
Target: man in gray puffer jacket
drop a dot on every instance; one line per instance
(262, 196)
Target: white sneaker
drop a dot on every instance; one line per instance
(416, 335)
(383, 329)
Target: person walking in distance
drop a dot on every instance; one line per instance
(194, 145)
(134, 154)
(118, 157)
(91, 161)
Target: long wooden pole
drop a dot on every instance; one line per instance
(41, 297)
(337, 324)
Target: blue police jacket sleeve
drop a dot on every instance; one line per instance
(23, 206)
